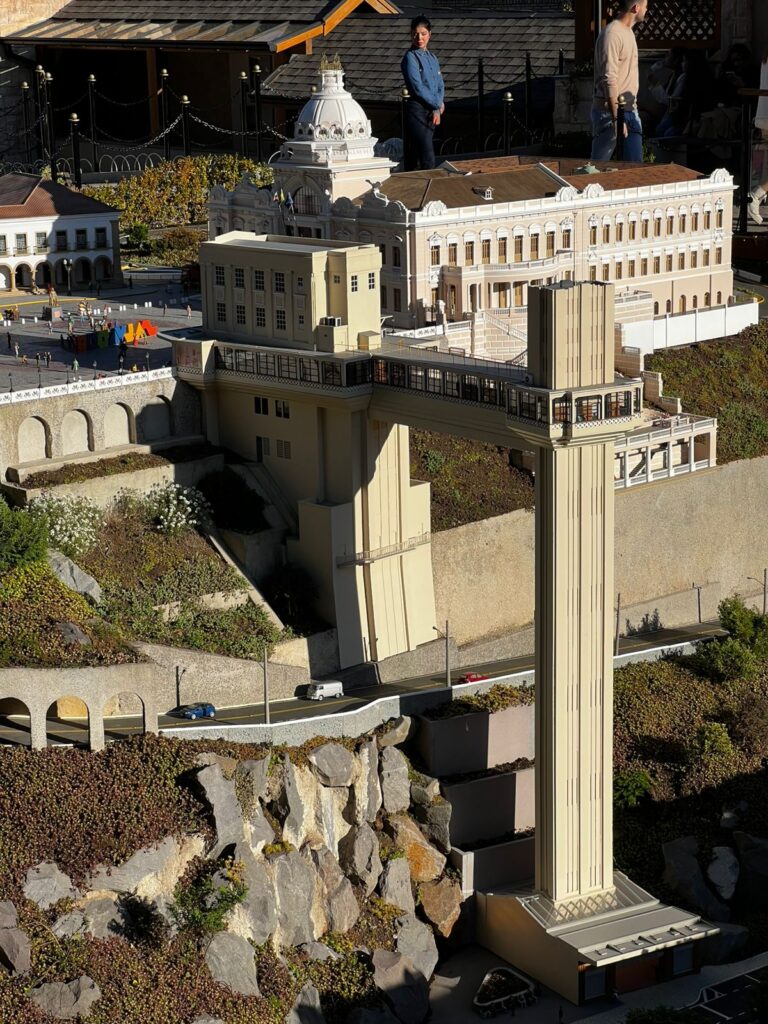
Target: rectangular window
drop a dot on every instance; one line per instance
(61, 241)
(265, 449)
(396, 300)
(644, 267)
(21, 244)
(469, 254)
(518, 249)
(240, 315)
(453, 254)
(670, 225)
(705, 257)
(606, 271)
(260, 316)
(279, 281)
(657, 264)
(681, 261)
(383, 251)
(371, 280)
(41, 240)
(282, 409)
(683, 223)
(657, 227)
(261, 406)
(221, 312)
(707, 220)
(280, 323)
(567, 238)
(502, 250)
(383, 296)
(534, 247)
(81, 239)
(632, 230)
(606, 234)
(694, 222)
(645, 228)
(219, 276)
(239, 277)
(434, 255)
(631, 268)
(283, 449)
(101, 238)
(593, 234)
(620, 231)
(550, 243)
(592, 272)
(299, 284)
(517, 292)
(258, 280)
(395, 255)
(619, 271)
(301, 319)
(3, 244)
(694, 258)
(718, 256)
(353, 282)
(568, 275)
(668, 263)
(719, 219)
(485, 251)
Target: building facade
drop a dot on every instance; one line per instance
(474, 235)
(52, 235)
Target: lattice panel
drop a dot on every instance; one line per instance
(680, 23)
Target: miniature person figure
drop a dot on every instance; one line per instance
(616, 74)
(47, 360)
(75, 367)
(425, 106)
(758, 195)
(189, 311)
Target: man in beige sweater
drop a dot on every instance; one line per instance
(616, 74)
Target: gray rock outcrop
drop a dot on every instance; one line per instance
(339, 905)
(395, 885)
(8, 916)
(256, 917)
(441, 903)
(67, 1000)
(259, 831)
(403, 986)
(319, 951)
(306, 1009)
(153, 872)
(332, 764)
(333, 815)
(72, 576)
(221, 797)
(424, 789)
(416, 941)
(231, 963)
(426, 863)
(435, 821)
(359, 857)
(753, 859)
(206, 1019)
(395, 785)
(684, 875)
(255, 775)
(69, 924)
(15, 951)
(294, 884)
(104, 916)
(723, 871)
(396, 733)
(367, 788)
(46, 884)
(298, 800)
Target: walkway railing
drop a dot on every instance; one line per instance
(76, 387)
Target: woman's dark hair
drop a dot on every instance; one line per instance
(421, 19)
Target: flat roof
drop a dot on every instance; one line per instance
(283, 243)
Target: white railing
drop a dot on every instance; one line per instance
(77, 387)
(676, 428)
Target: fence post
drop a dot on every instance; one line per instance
(186, 140)
(259, 121)
(405, 96)
(620, 122)
(25, 117)
(40, 109)
(561, 62)
(51, 130)
(92, 120)
(74, 127)
(528, 96)
(480, 104)
(164, 113)
(507, 101)
(244, 113)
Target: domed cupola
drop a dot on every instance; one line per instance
(332, 114)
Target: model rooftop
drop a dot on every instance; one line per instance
(281, 243)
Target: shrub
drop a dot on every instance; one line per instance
(72, 523)
(178, 246)
(712, 741)
(739, 620)
(749, 724)
(201, 904)
(629, 788)
(23, 538)
(434, 460)
(174, 509)
(727, 659)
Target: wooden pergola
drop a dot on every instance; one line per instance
(689, 23)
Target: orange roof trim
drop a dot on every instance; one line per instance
(322, 28)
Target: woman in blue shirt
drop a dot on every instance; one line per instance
(421, 72)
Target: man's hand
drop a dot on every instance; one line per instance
(435, 118)
(442, 109)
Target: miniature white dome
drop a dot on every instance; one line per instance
(332, 114)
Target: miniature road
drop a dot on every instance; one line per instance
(15, 730)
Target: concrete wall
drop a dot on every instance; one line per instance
(685, 328)
(699, 528)
(475, 742)
(491, 866)
(491, 806)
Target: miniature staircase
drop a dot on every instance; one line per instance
(258, 476)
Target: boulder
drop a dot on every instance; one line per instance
(395, 885)
(404, 988)
(71, 633)
(332, 815)
(683, 874)
(298, 800)
(15, 950)
(258, 830)
(332, 764)
(753, 858)
(367, 788)
(45, 885)
(227, 764)
(319, 951)
(339, 905)
(69, 924)
(231, 963)
(441, 903)
(255, 775)
(726, 946)
(8, 916)
(104, 916)
(67, 1000)
(416, 941)
(359, 857)
(435, 821)
(363, 1015)
(306, 1009)
(207, 1019)
(425, 862)
(153, 872)
(256, 917)
(72, 576)
(723, 871)
(221, 797)
(294, 883)
(424, 789)
(397, 731)
(395, 785)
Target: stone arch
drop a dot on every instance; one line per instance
(14, 714)
(76, 433)
(155, 420)
(123, 704)
(102, 269)
(43, 274)
(82, 272)
(119, 425)
(6, 279)
(23, 276)
(68, 720)
(34, 439)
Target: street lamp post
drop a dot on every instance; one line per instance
(67, 264)
(92, 120)
(147, 361)
(25, 114)
(51, 129)
(446, 635)
(74, 127)
(187, 141)
(765, 589)
(164, 113)
(698, 588)
(257, 96)
(244, 113)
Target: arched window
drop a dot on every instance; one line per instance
(669, 305)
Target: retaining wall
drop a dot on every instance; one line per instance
(491, 806)
(476, 741)
(502, 864)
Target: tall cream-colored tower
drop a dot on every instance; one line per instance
(573, 349)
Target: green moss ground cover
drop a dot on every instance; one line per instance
(76, 472)
(727, 379)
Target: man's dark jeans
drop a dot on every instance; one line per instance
(419, 134)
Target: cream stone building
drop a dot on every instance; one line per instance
(474, 235)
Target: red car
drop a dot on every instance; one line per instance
(472, 677)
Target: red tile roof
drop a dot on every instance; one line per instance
(27, 195)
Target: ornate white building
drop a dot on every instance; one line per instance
(474, 234)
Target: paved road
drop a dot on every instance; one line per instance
(15, 730)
